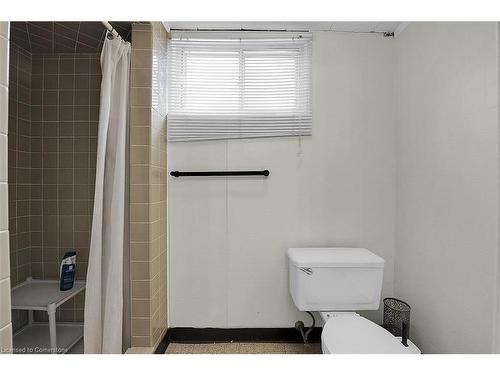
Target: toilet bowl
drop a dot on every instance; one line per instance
(336, 282)
(350, 333)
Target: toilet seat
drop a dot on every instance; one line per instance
(352, 334)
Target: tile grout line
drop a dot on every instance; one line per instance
(42, 201)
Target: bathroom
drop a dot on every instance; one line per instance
(192, 167)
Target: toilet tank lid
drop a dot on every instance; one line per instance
(334, 257)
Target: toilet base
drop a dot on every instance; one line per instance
(412, 348)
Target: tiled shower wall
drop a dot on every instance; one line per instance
(158, 180)
(64, 118)
(65, 109)
(53, 116)
(19, 162)
(148, 242)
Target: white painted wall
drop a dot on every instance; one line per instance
(228, 237)
(447, 183)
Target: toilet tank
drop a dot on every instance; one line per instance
(335, 279)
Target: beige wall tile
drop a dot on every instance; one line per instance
(154, 250)
(141, 289)
(6, 339)
(139, 212)
(140, 97)
(155, 283)
(139, 194)
(139, 270)
(3, 109)
(141, 78)
(155, 211)
(140, 116)
(139, 155)
(139, 174)
(3, 157)
(142, 39)
(157, 175)
(5, 299)
(148, 177)
(4, 62)
(141, 308)
(141, 327)
(142, 26)
(139, 135)
(140, 341)
(158, 333)
(141, 59)
(139, 251)
(4, 206)
(139, 232)
(4, 255)
(4, 29)
(154, 267)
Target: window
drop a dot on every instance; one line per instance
(238, 85)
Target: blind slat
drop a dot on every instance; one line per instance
(238, 85)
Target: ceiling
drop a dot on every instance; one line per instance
(63, 37)
(359, 27)
(87, 37)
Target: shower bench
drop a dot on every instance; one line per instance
(40, 337)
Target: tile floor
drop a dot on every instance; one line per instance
(244, 348)
(231, 348)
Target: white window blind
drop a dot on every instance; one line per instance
(238, 85)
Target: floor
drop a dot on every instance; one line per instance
(244, 348)
(231, 348)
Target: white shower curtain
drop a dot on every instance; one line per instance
(104, 292)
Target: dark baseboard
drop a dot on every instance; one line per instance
(162, 346)
(189, 335)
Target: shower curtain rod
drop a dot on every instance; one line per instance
(108, 26)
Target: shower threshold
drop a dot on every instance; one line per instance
(51, 337)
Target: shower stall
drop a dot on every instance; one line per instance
(54, 102)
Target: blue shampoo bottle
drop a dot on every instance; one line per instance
(67, 270)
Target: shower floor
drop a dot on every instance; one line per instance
(244, 348)
(77, 349)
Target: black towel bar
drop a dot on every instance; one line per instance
(265, 172)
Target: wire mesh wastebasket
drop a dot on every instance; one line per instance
(397, 317)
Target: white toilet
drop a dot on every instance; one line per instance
(337, 282)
